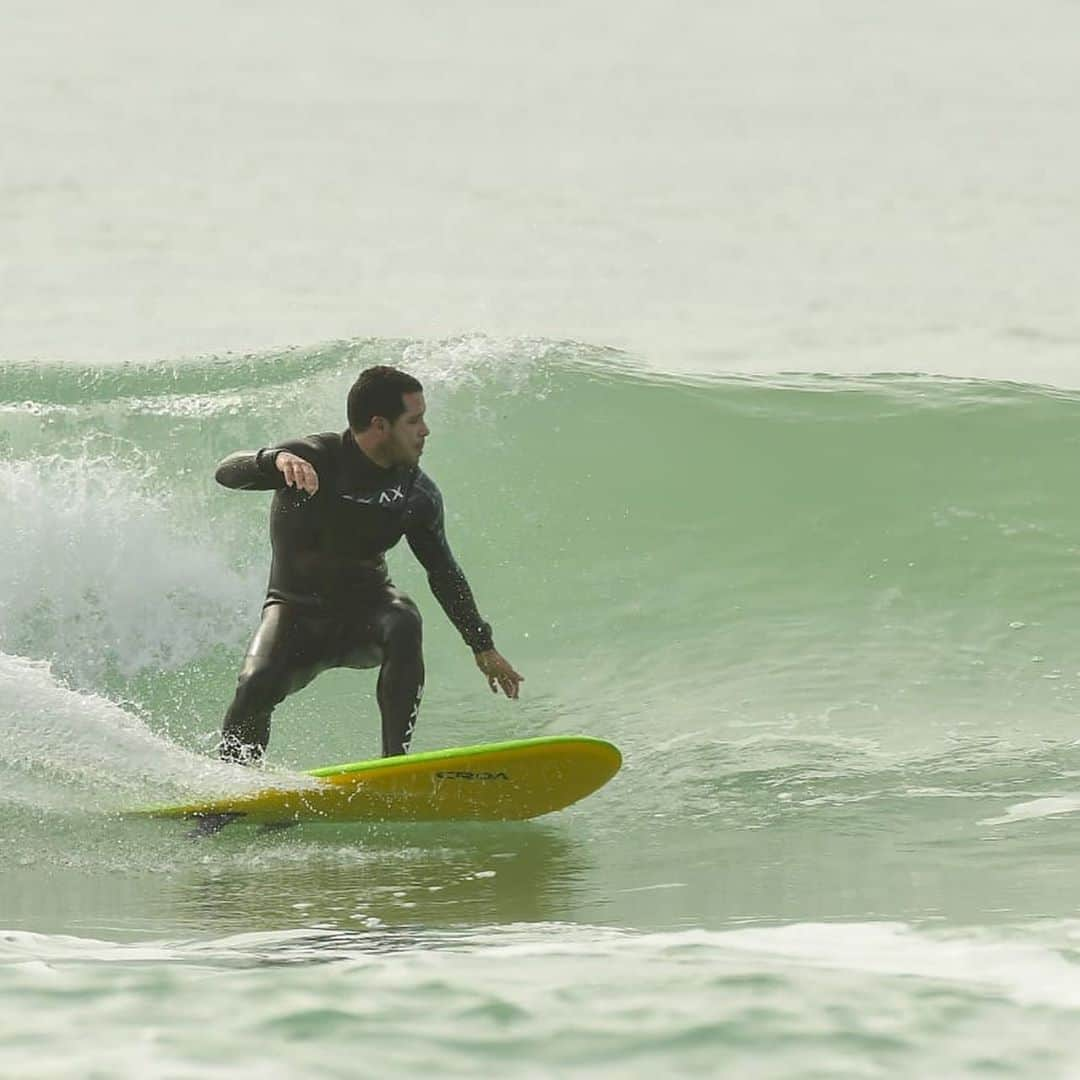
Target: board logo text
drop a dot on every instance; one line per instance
(462, 774)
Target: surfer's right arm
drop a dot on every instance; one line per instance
(292, 465)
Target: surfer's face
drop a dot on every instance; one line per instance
(407, 434)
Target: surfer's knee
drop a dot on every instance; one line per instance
(261, 686)
(404, 631)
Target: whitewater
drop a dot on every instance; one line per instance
(749, 342)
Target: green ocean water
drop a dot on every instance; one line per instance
(830, 622)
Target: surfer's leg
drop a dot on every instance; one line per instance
(401, 676)
(392, 639)
(288, 650)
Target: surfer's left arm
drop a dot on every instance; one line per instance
(427, 539)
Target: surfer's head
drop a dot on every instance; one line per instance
(386, 416)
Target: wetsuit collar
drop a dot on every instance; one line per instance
(360, 473)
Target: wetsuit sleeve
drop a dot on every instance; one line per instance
(246, 471)
(447, 580)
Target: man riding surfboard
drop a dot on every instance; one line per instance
(340, 502)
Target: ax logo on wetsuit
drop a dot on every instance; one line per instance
(384, 498)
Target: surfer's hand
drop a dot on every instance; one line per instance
(499, 673)
(298, 473)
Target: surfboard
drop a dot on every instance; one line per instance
(508, 781)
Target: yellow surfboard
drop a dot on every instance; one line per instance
(507, 781)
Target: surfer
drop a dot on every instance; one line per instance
(341, 501)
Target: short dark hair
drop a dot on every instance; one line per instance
(378, 392)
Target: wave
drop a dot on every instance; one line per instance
(1032, 966)
(918, 1001)
(879, 562)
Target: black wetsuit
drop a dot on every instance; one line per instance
(330, 601)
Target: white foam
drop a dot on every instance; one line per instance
(1028, 972)
(98, 573)
(1049, 806)
(1025, 965)
(105, 755)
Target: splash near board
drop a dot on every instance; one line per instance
(507, 781)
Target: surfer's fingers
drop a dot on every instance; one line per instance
(298, 473)
(304, 476)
